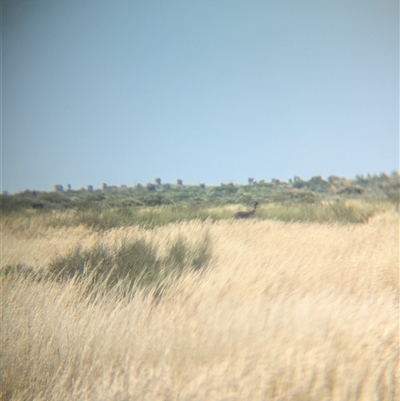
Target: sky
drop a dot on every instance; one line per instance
(121, 92)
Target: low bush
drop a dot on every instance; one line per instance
(136, 263)
(329, 212)
(15, 203)
(295, 195)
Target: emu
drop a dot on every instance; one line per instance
(245, 215)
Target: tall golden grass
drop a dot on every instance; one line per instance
(295, 311)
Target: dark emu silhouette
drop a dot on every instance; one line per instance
(245, 215)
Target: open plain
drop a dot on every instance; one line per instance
(280, 311)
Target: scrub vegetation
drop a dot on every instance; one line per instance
(180, 301)
(317, 200)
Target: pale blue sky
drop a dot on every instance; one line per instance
(207, 91)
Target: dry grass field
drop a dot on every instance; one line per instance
(283, 311)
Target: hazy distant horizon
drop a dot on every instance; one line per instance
(174, 183)
(208, 92)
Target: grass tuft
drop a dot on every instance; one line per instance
(134, 263)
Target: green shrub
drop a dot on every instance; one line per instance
(392, 192)
(300, 184)
(99, 219)
(351, 190)
(295, 195)
(339, 211)
(94, 197)
(155, 199)
(224, 190)
(14, 203)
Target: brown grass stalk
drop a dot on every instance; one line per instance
(285, 312)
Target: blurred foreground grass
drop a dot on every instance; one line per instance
(251, 310)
